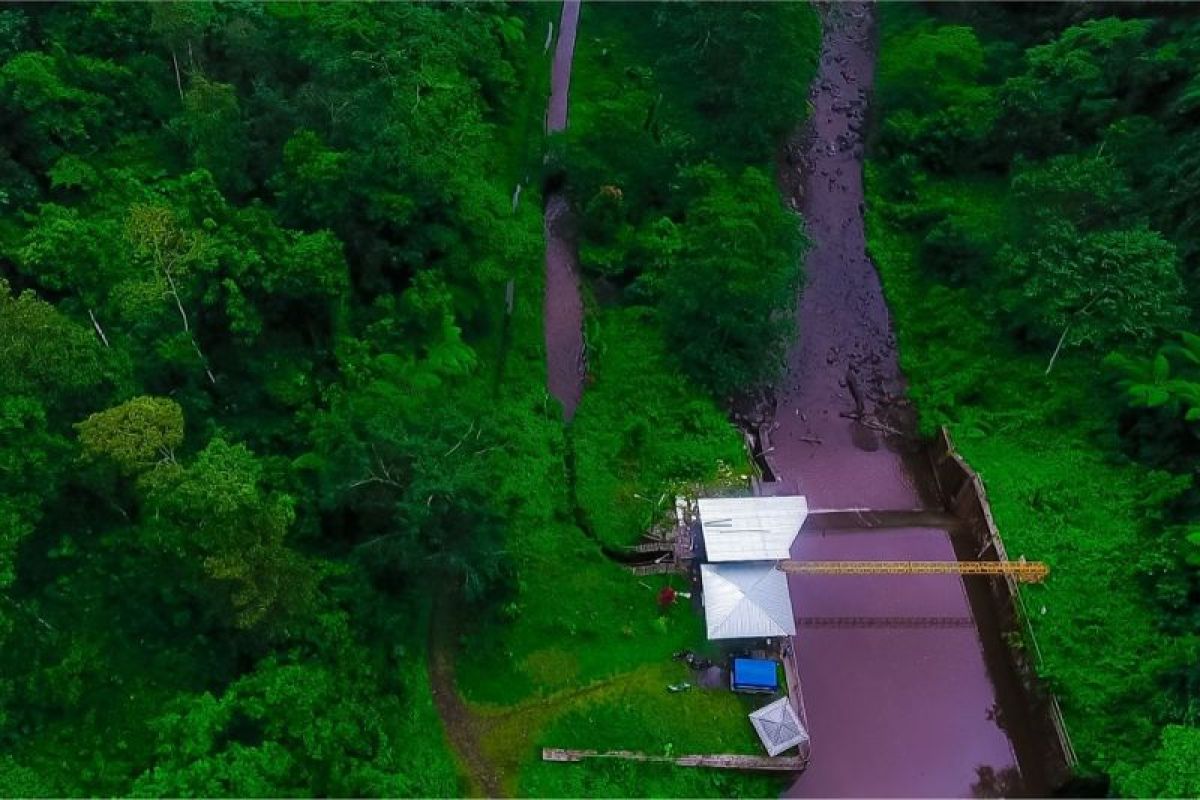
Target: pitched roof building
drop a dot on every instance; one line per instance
(779, 727)
(750, 528)
(746, 601)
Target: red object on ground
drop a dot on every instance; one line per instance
(666, 597)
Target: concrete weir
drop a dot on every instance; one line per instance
(900, 709)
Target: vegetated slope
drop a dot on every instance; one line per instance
(1029, 215)
(692, 260)
(676, 118)
(658, 199)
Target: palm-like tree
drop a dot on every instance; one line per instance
(1170, 380)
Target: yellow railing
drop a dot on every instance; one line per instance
(1024, 571)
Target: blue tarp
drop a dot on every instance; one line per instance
(754, 674)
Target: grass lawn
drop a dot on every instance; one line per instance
(635, 712)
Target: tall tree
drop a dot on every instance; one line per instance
(732, 289)
(216, 513)
(1096, 289)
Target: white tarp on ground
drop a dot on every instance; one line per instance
(750, 528)
(746, 601)
(778, 726)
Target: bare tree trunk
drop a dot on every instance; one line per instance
(178, 78)
(1057, 349)
(178, 303)
(207, 370)
(99, 330)
(1063, 338)
(187, 328)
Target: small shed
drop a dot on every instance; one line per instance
(754, 675)
(778, 726)
(750, 528)
(746, 601)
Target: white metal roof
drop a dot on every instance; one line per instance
(746, 601)
(750, 528)
(778, 726)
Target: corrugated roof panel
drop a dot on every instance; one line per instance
(750, 528)
(746, 601)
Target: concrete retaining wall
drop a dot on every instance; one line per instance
(966, 498)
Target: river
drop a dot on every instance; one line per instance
(903, 707)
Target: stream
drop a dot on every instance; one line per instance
(895, 709)
(563, 304)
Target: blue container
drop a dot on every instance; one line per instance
(753, 675)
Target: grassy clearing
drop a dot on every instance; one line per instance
(632, 710)
(577, 618)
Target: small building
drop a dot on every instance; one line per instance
(779, 727)
(746, 601)
(750, 528)
(754, 675)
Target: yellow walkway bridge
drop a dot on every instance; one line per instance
(1024, 571)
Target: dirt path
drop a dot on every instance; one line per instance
(463, 728)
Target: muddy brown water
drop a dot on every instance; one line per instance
(563, 306)
(895, 709)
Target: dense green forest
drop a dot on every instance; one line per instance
(272, 444)
(263, 412)
(1032, 210)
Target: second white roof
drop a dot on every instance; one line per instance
(750, 528)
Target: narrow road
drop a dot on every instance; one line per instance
(894, 711)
